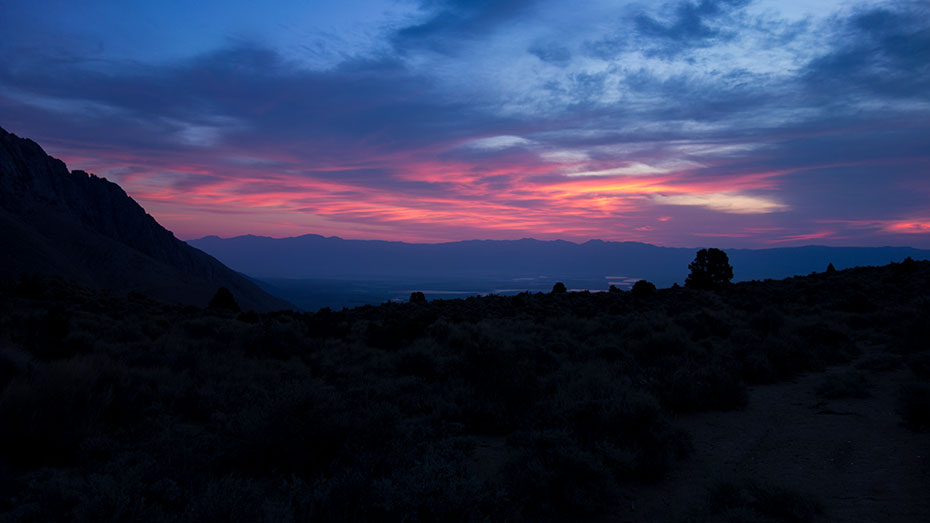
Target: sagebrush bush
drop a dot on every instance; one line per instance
(914, 404)
(553, 479)
(224, 300)
(46, 415)
(850, 384)
(643, 289)
(879, 363)
(717, 386)
(761, 499)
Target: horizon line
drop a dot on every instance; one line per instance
(574, 242)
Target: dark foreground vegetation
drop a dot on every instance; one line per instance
(528, 407)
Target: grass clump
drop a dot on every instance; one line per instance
(754, 500)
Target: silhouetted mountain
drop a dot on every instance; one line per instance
(313, 256)
(80, 227)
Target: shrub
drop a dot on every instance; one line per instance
(301, 429)
(643, 289)
(880, 363)
(417, 363)
(29, 287)
(46, 415)
(224, 300)
(920, 365)
(826, 343)
(707, 387)
(767, 322)
(559, 288)
(429, 485)
(417, 297)
(763, 499)
(600, 411)
(12, 363)
(914, 404)
(250, 317)
(852, 384)
(553, 479)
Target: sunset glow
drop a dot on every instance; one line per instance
(745, 123)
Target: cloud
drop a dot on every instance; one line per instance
(248, 95)
(690, 26)
(733, 203)
(880, 51)
(451, 21)
(496, 143)
(565, 156)
(518, 118)
(920, 226)
(552, 53)
(638, 169)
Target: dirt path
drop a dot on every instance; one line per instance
(851, 454)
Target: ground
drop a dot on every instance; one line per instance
(851, 454)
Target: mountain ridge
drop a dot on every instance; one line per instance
(558, 240)
(315, 256)
(75, 225)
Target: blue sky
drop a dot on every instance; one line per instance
(712, 122)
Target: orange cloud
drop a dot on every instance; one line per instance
(909, 227)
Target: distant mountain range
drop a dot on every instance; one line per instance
(317, 257)
(83, 228)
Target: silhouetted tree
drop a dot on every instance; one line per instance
(643, 288)
(909, 265)
(710, 268)
(614, 288)
(559, 288)
(224, 300)
(417, 297)
(831, 269)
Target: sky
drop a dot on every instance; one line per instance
(727, 123)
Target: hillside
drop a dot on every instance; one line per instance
(83, 228)
(805, 399)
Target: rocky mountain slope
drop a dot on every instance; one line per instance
(71, 224)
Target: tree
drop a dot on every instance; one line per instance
(831, 269)
(223, 299)
(417, 297)
(643, 289)
(559, 288)
(710, 269)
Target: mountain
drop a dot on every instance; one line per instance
(313, 256)
(80, 227)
